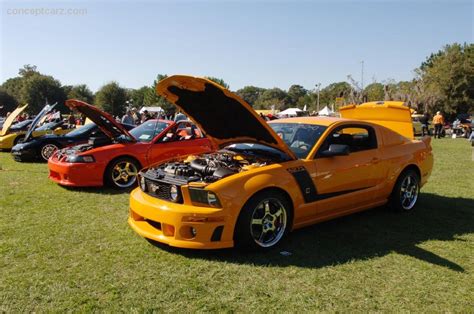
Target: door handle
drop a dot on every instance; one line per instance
(375, 160)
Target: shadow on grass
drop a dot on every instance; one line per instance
(98, 190)
(363, 236)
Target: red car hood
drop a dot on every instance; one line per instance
(103, 120)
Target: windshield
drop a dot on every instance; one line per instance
(299, 137)
(82, 130)
(148, 130)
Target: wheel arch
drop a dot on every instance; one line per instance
(413, 167)
(118, 157)
(275, 189)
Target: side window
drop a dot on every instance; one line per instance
(357, 137)
(184, 131)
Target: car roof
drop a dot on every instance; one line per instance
(325, 121)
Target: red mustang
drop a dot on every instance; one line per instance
(115, 159)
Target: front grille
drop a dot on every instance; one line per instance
(160, 190)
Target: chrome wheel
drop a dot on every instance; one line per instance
(409, 192)
(268, 222)
(124, 174)
(48, 150)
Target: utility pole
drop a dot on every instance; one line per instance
(318, 88)
(362, 76)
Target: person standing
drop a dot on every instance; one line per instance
(128, 118)
(145, 116)
(424, 120)
(180, 116)
(438, 121)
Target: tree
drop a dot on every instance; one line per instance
(374, 92)
(81, 92)
(219, 81)
(153, 99)
(250, 94)
(28, 70)
(295, 93)
(273, 97)
(13, 87)
(447, 80)
(38, 90)
(8, 103)
(137, 96)
(111, 98)
(35, 89)
(329, 93)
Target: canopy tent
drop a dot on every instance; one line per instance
(152, 109)
(326, 112)
(290, 112)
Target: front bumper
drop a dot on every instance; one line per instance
(76, 174)
(6, 141)
(169, 223)
(21, 153)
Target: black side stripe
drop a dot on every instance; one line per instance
(306, 185)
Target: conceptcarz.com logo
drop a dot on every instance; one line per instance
(46, 11)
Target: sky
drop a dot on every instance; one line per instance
(262, 43)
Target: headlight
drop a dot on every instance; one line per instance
(174, 193)
(80, 158)
(204, 197)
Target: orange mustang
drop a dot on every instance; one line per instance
(116, 157)
(269, 179)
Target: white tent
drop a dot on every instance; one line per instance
(290, 112)
(326, 112)
(151, 109)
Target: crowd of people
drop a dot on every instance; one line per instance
(460, 127)
(133, 117)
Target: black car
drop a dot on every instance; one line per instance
(41, 148)
(20, 126)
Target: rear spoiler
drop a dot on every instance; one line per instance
(427, 140)
(390, 114)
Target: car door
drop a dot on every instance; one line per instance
(348, 181)
(182, 139)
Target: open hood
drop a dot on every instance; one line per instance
(224, 117)
(103, 120)
(9, 120)
(390, 114)
(39, 117)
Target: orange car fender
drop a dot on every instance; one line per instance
(235, 193)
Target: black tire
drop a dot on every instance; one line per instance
(47, 150)
(18, 139)
(116, 168)
(250, 234)
(405, 192)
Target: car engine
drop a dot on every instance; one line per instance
(206, 168)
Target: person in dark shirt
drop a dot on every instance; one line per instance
(424, 120)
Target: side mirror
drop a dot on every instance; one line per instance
(336, 150)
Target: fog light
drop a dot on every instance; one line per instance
(168, 230)
(174, 193)
(193, 232)
(142, 183)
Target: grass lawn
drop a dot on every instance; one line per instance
(65, 249)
